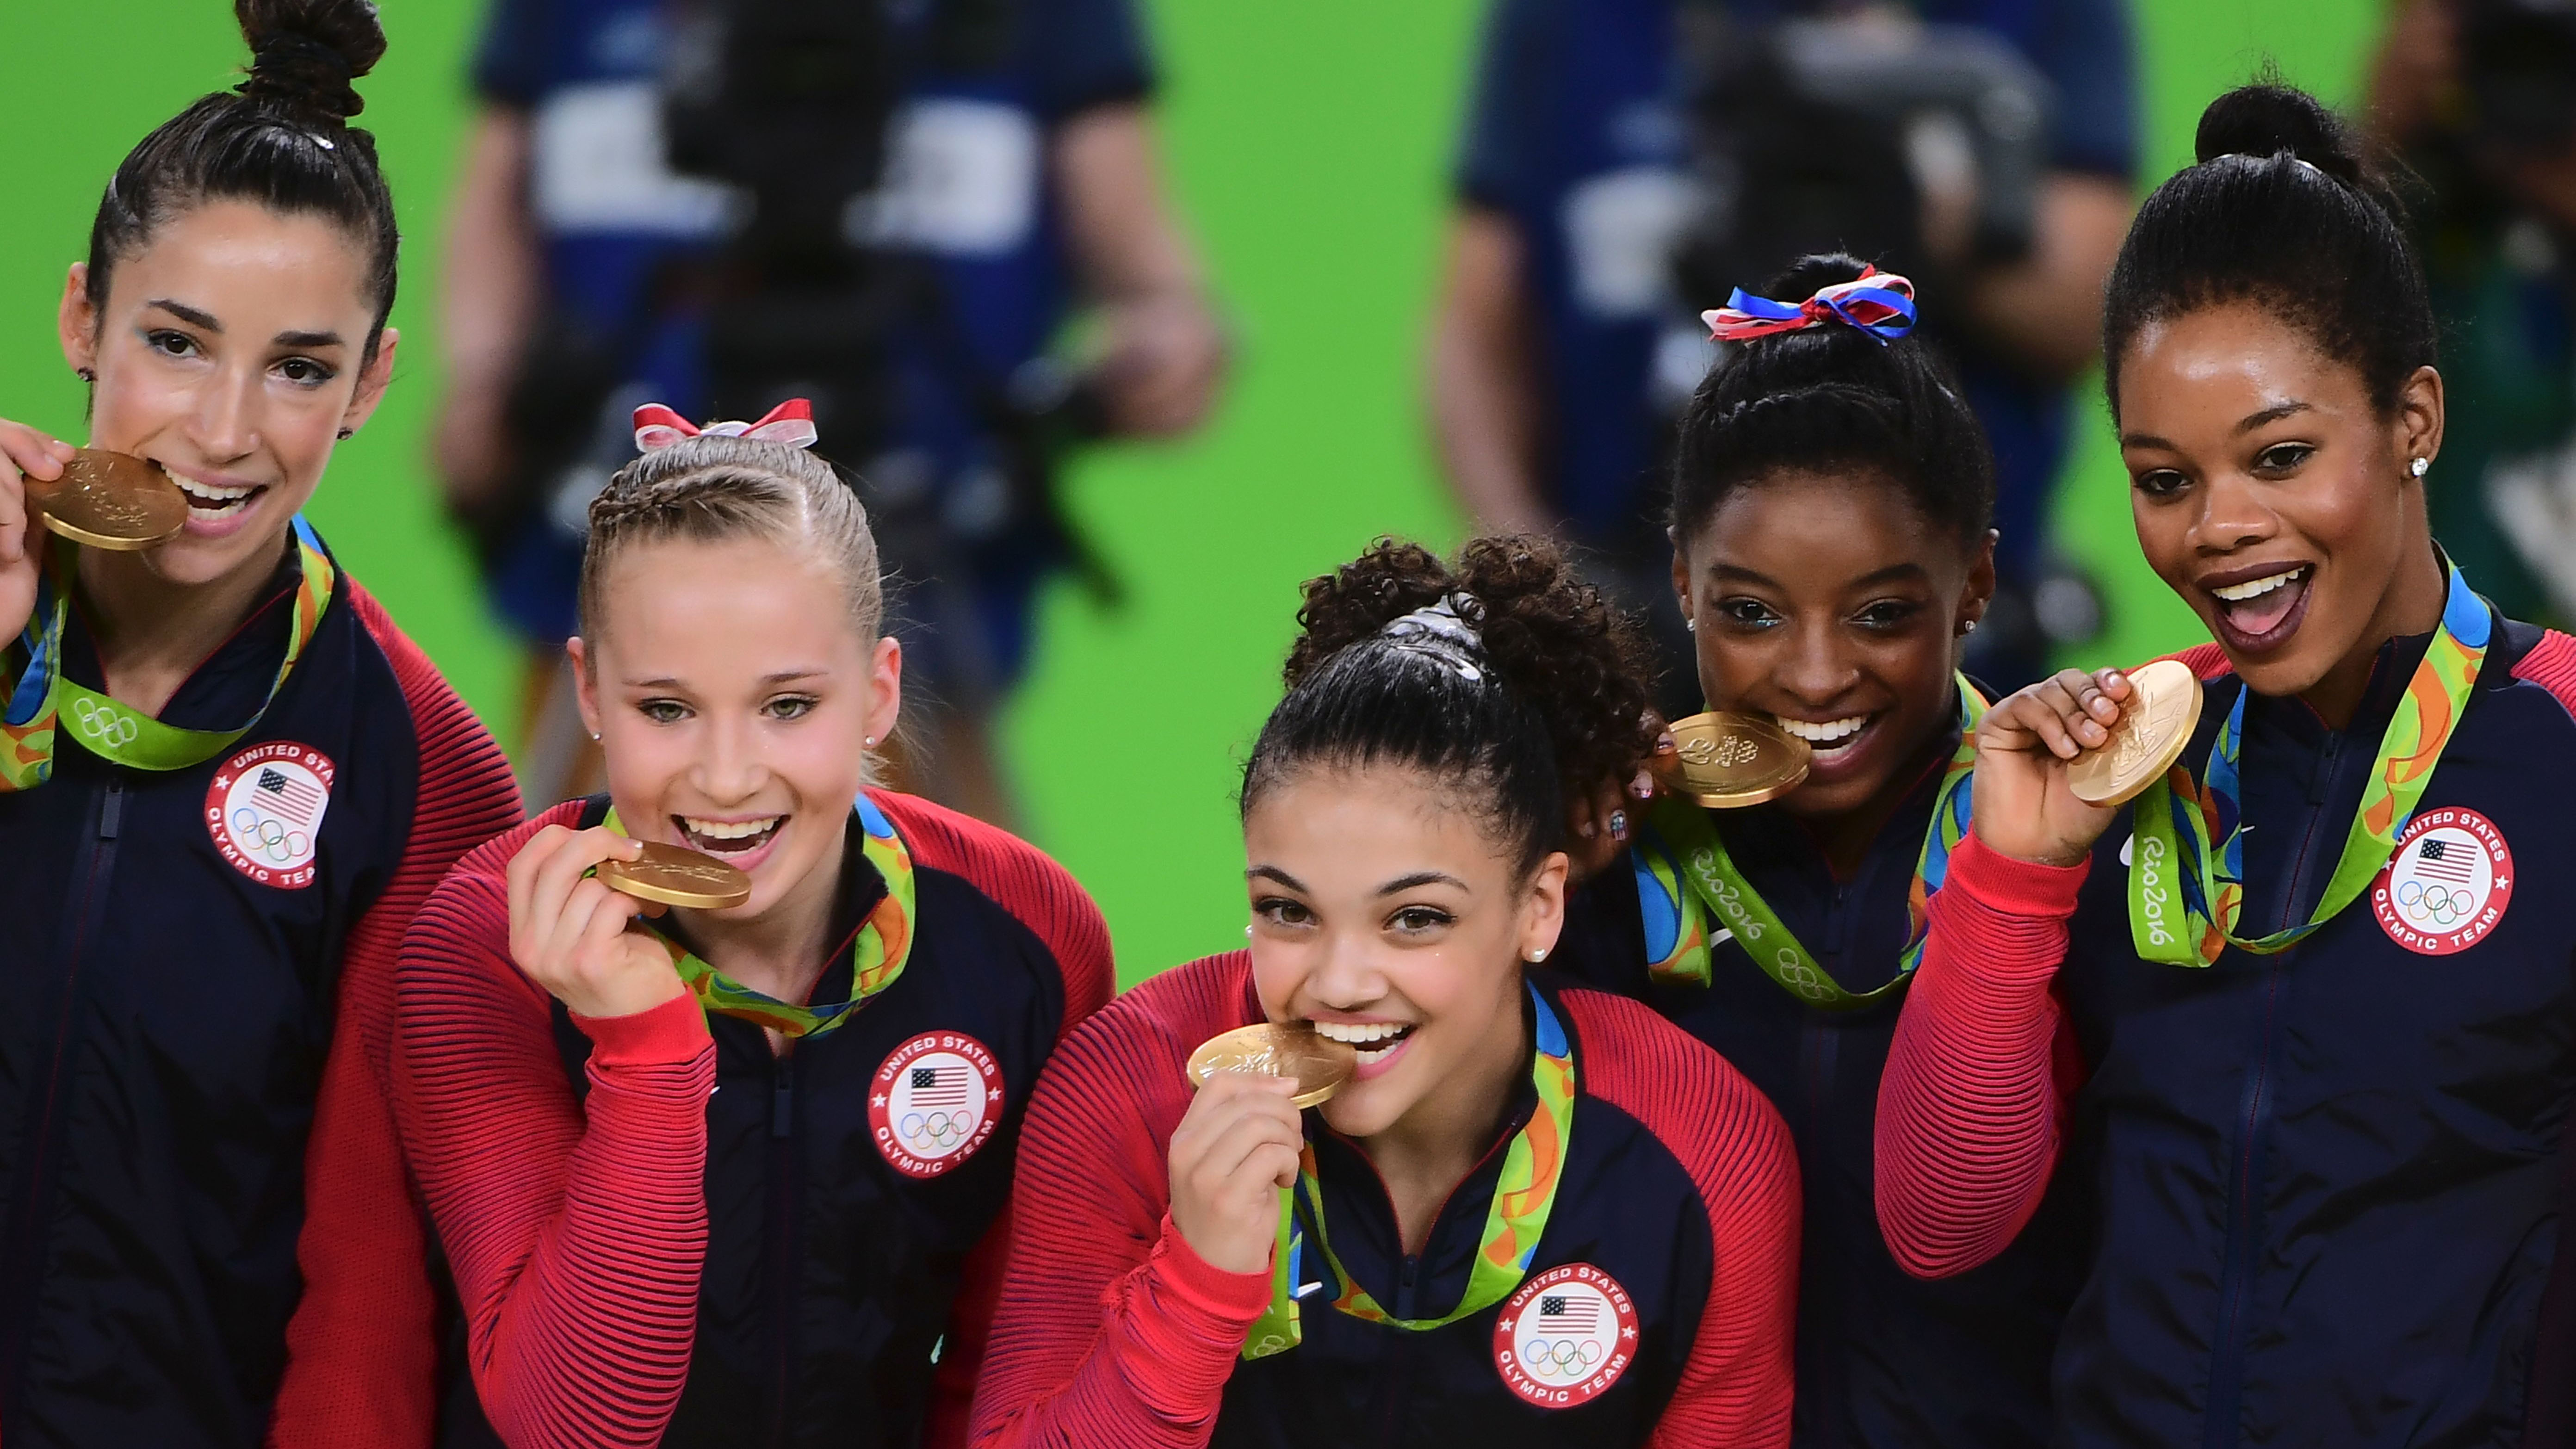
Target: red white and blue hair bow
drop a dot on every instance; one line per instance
(791, 422)
(1878, 303)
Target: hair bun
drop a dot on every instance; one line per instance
(1811, 274)
(305, 54)
(2266, 120)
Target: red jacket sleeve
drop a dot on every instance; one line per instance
(576, 1227)
(1738, 1386)
(1971, 1111)
(361, 1349)
(1111, 1331)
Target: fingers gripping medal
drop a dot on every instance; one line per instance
(2151, 732)
(1279, 1049)
(1724, 760)
(112, 501)
(671, 876)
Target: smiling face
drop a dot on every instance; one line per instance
(1829, 603)
(2275, 498)
(1384, 913)
(733, 695)
(229, 350)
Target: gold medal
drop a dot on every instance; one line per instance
(2154, 726)
(677, 877)
(1723, 759)
(111, 500)
(1279, 1049)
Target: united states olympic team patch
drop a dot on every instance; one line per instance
(934, 1102)
(2447, 883)
(264, 809)
(1566, 1336)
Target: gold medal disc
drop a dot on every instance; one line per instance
(2154, 726)
(111, 500)
(1724, 760)
(677, 877)
(1279, 1049)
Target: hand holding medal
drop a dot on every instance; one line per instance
(2055, 761)
(568, 926)
(110, 500)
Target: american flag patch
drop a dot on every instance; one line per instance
(939, 1086)
(1578, 1315)
(2434, 859)
(290, 798)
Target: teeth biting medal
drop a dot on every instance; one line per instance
(671, 876)
(111, 501)
(1319, 1065)
(1723, 759)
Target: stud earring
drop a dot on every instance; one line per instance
(1969, 627)
(2420, 467)
(347, 433)
(86, 374)
(869, 743)
(1691, 624)
(1538, 955)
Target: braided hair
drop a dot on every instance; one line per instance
(1535, 692)
(280, 139)
(713, 488)
(1832, 398)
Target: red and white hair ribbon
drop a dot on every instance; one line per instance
(791, 423)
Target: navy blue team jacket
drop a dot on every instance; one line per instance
(178, 948)
(1885, 1360)
(2328, 1180)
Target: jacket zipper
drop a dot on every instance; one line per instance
(780, 1269)
(2254, 1113)
(23, 1264)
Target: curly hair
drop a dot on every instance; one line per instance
(1553, 702)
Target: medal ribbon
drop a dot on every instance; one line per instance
(2211, 892)
(1514, 1221)
(1687, 883)
(40, 697)
(884, 944)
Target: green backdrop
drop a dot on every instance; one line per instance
(1307, 140)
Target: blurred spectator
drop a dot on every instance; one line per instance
(1626, 161)
(718, 204)
(2479, 97)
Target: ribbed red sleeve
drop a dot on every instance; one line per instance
(1738, 1386)
(576, 1226)
(1023, 880)
(361, 1349)
(1112, 1332)
(2550, 1417)
(1971, 1111)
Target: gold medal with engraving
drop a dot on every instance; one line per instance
(1724, 760)
(2154, 726)
(677, 877)
(111, 500)
(1279, 1049)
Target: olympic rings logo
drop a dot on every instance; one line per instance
(1560, 1357)
(936, 1131)
(2434, 903)
(268, 838)
(107, 726)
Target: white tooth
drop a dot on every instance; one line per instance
(2257, 588)
(211, 492)
(1825, 733)
(728, 829)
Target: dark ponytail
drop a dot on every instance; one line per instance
(280, 139)
(1537, 691)
(2286, 212)
(1832, 398)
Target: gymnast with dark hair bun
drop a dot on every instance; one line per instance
(1483, 1205)
(2285, 993)
(1833, 550)
(227, 782)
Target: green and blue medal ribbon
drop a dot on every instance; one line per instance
(877, 956)
(1692, 895)
(1515, 1220)
(43, 704)
(2194, 827)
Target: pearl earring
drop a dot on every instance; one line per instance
(1969, 627)
(2420, 467)
(869, 743)
(1691, 624)
(1538, 955)
(594, 734)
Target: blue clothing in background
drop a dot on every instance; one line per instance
(967, 186)
(1580, 134)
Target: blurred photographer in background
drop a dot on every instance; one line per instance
(891, 207)
(1628, 162)
(2479, 99)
